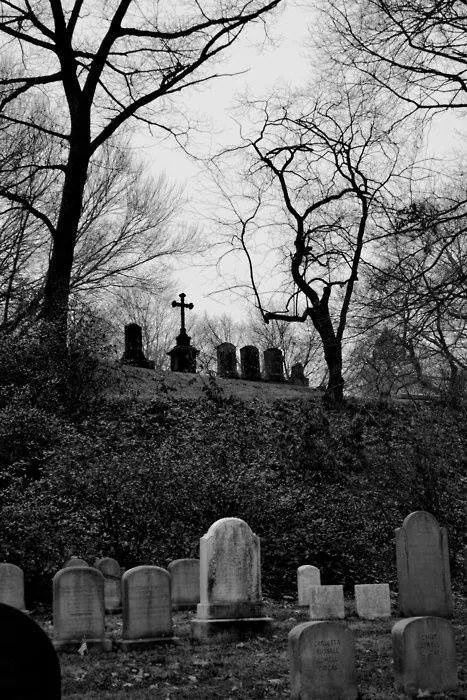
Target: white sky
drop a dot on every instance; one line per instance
(282, 61)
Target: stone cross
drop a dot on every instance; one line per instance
(182, 306)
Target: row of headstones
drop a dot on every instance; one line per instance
(250, 366)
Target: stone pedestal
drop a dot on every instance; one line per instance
(134, 354)
(183, 355)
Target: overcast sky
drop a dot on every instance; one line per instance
(283, 60)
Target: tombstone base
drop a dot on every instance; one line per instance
(68, 646)
(144, 643)
(230, 629)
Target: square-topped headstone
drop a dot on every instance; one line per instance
(423, 572)
(185, 583)
(230, 583)
(372, 600)
(29, 667)
(110, 569)
(12, 585)
(424, 652)
(147, 608)
(326, 602)
(249, 359)
(227, 360)
(78, 609)
(322, 662)
(307, 576)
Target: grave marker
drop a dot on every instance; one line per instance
(12, 586)
(322, 662)
(133, 354)
(230, 583)
(249, 359)
(326, 602)
(78, 609)
(29, 667)
(185, 583)
(75, 561)
(424, 652)
(227, 361)
(110, 569)
(147, 608)
(372, 600)
(307, 576)
(297, 375)
(273, 365)
(423, 567)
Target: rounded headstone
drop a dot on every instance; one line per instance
(75, 561)
(147, 608)
(110, 569)
(12, 585)
(307, 575)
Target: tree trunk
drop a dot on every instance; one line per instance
(334, 394)
(57, 284)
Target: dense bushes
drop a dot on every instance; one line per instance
(143, 481)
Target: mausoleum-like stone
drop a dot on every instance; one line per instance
(147, 608)
(249, 359)
(423, 567)
(185, 583)
(78, 609)
(326, 602)
(373, 600)
(29, 667)
(424, 656)
(12, 586)
(227, 361)
(273, 365)
(230, 583)
(307, 576)
(110, 569)
(322, 662)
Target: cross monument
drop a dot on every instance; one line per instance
(183, 355)
(182, 306)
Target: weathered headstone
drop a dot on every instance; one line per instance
(227, 361)
(423, 567)
(230, 583)
(133, 354)
(183, 355)
(12, 585)
(78, 609)
(110, 569)
(307, 576)
(29, 667)
(326, 602)
(297, 375)
(74, 561)
(273, 365)
(372, 600)
(185, 583)
(424, 652)
(249, 359)
(147, 608)
(322, 662)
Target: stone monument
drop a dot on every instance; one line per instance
(12, 586)
(423, 572)
(133, 354)
(227, 361)
(183, 355)
(249, 359)
(273, 365)
(372, 600)
(307, 576)
(185, 583)
(297, 375)
(230, 583)
(110, 569)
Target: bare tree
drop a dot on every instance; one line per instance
(416, 50)
(118, 61)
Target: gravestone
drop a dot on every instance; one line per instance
(230, 583)
(12, 586)
(29, 667)
(183, 355)
(322, 662)
(326, 602)
(249, 360)
(273, 365)
(74, 561)
(423, 567)
(133, 353)
(185, 583)
(78, 609)
(110, 569)
(147, 608)
(307, 576)
(297, 375)
(227, 361)
(372, 600)
(424, 653)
